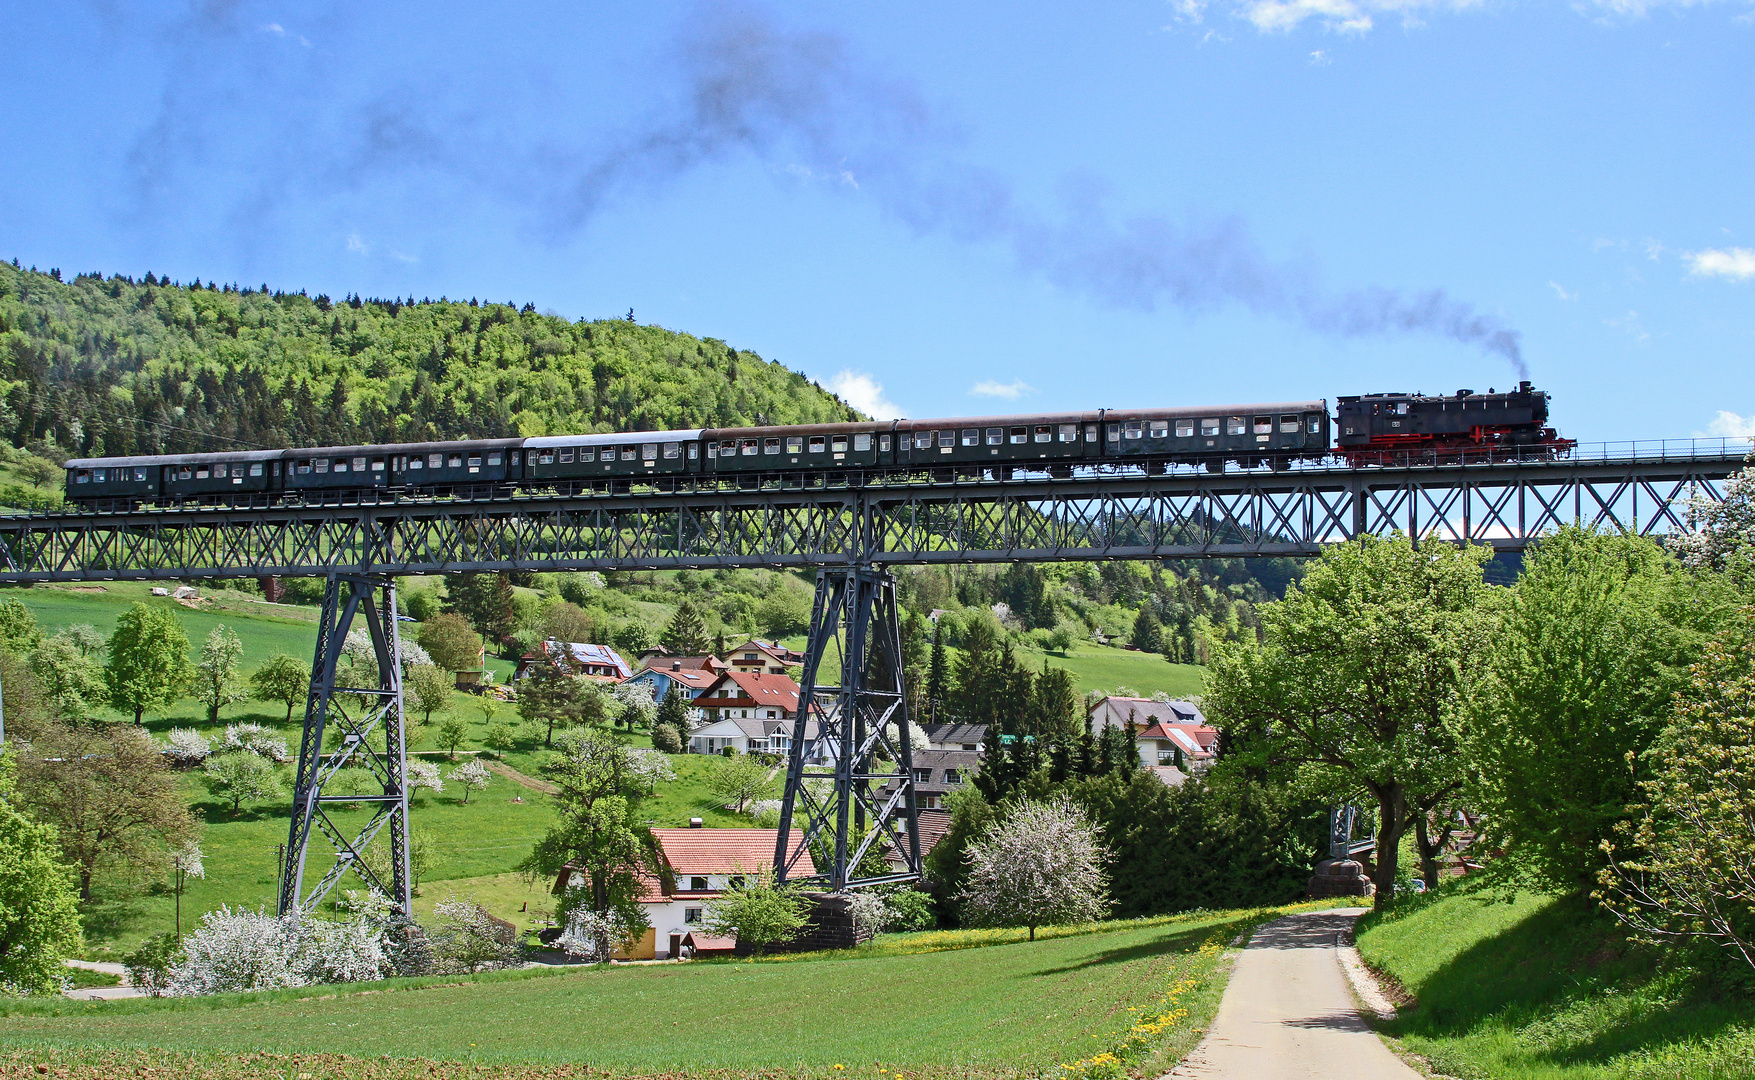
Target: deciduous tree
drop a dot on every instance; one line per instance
(283, 679)
(453, 646)
(473, 775)
(1359, 667)
(109, 793)
(1042, 865)
(486, 601)
(241, 776)
(216, 682)
(39, 908)
(428, 690)
(739, 780)
(148, 660)
(73, 681)
(452, 734)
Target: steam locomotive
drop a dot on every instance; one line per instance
(1374, 429)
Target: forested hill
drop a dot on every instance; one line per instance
(109, 365)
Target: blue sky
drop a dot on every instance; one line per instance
(955, 207)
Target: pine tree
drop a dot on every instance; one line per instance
(486, 601)
(674, 709)
(935, 671)
(686, 634)
(1148, 633)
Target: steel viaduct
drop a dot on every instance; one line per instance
(850, 535)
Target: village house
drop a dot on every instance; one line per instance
(955, 736)
(767, 657)
(698, 865)
(1188, 747)
(937, 773)
(695, 674)
(1175, 741)
(599, 663)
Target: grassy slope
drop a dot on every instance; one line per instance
(1545, 989)
(1017, 1007)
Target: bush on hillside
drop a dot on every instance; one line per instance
(234, 949)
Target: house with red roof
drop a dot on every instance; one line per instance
(695, 674)
(597, 662)
(699, 864)
(767, 657)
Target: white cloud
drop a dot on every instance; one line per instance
(1735, 263)
(354, 243)
(276, 29)
(1358, 16)
(1653, 250)
(1560, 292)
(1319, 58)
(1011, 391)
(1729, 425)
(864, 393)
(404, 258)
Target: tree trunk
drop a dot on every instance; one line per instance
(139, 710)
(85, 882)
(1391, 814)
(1430, 848)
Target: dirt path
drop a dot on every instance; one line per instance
(1288, 1012)
(520, 779)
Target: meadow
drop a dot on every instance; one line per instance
(928, 1004)
(1543, 988)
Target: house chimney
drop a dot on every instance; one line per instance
(694, 823)
(676, 665)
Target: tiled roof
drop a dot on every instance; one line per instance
(693, 678)
(725, 851)
(1185, 712)
(764, 689)
(956, 733)
(1170, 774)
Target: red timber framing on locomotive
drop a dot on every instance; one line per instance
(849, 519)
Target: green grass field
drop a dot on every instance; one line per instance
(1004, 1009)
(1540, 988)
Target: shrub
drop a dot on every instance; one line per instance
(187, 747)
(241, 775)
(594, 936)
(466, 938)
(235, 950)
(667, 739)
(255, 738)
(149, 967)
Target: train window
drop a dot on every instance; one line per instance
(649, 451)
(1090, 432)
(694, 451)
(884, 443)
(200, 474)
(672, 451)
(1234, 425)
(377, 465)
(795, 444)
(219, 471)
(1184, 429)
(1160, 429)
(749, 447)
(838, 443)
(566, 455)
(415, 461)
(140, 476)
(1132, 429)
(945, 439)
(494, 458)
(1401, 408)
(474, 463)
(82, 476)
(771, 446)
(971, 436)
(99, 476)
(922, 440)
(322, 464)
(861, 441)
(302, 467)
(1264, 425)
(1209, 425)
(818, 444)
(1044, 433)
(1313, 423)
(1069, 433)
(454, 461)
(995, 436)
(340, 464)
(514, 457)
(589, 453)
(630, 452)
(1019, 436)
(185, 473)
(728, 449)
(1289, 424)
(1114, 432)
(256, 468)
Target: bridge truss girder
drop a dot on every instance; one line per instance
(1179, 516)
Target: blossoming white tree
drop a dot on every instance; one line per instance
(1041, 866)
(473, 775)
